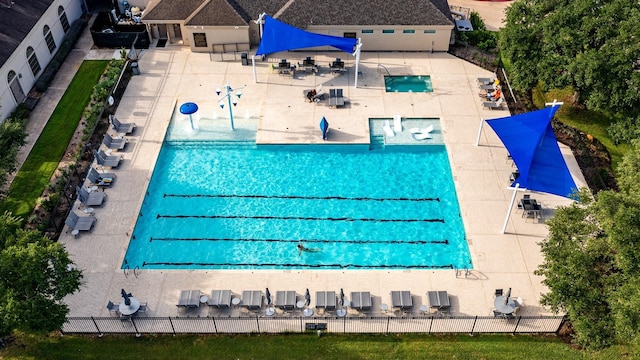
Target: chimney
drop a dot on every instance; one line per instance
(6, 3)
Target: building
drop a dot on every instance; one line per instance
(31, 32)
(390, 25)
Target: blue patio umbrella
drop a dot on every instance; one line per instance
(189, 108)
(324, 127)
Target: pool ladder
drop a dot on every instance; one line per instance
(385, 69)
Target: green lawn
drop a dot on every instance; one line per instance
(43, 159)
(307, 346)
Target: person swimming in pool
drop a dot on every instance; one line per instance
(302, 248)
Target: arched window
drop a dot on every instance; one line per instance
(33, 61)
(63, 19)
(51, 43)
(11, 76)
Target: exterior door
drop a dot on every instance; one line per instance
(16, 88)
(162, 31)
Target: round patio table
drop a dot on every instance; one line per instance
(507, 308)
(131, 308)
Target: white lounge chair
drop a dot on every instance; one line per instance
(397, 123)
(387, 129)
(421, 134)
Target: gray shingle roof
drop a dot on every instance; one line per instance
(17, 21)
(171, 9)
(302, 13)
(220, 13)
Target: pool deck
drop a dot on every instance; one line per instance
(174, 75)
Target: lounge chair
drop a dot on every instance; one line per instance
(121, 128)
(77, 223)
(100, 179)
(493, 104)
(113, 143)
(387, 129)
(485, 81)
(397, 123)
(105, 160)
(335, 98)
(94, 198)
(421, 134)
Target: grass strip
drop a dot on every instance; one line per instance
(34, 175)
(303, 346)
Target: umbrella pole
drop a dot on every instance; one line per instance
(479, 131)
(513, 199)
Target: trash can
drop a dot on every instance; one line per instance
(245, 59)
(134, 68)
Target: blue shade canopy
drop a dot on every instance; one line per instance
(278, 36)
(324, 127)
(530, 140)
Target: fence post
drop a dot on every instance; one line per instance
(430, 324)
(388, 320)
(518, 323)
(564, 319)
(473, 327)
(215, 327)
(344, 324)
(258, 323)
(100, 334)
(172, 328)
(133, 322)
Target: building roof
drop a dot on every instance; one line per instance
(171, 9)
(17, 22)
(303, 13)
(220, 13)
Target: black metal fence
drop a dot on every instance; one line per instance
(259, 325)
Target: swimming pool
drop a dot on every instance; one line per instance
(242, 206)
(411, 83)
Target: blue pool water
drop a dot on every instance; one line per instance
(416, 83)
(242, 206)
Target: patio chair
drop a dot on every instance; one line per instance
(335, 98)
(77, 223)
(100, 179)
(387, 129)
(114, 309)
(113, 143)
(121, 128)
(143, 309)
(105, 160)
(498, 292)
(493, 104)
(93, 198)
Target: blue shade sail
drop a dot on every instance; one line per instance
(278, 36)
(530, 140)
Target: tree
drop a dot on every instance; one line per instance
(591, 46)
(35, 275)
(592, 261)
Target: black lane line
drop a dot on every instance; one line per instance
(413, 242)
(331, 266)
(299, 197)
(293, 218)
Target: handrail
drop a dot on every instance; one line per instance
(136, 270)
(385, 68)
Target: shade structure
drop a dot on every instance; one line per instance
(532, 144)
(188, 108)
(324, 127)
(278, 36)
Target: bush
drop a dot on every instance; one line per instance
(65, 48)
(12, 137)
(480, 36)
(624, 130)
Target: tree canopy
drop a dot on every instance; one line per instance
(35, 275)
(591, 46)
(592, 261)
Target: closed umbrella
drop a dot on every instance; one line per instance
(126, 296)
(307, 298)
(341, 297)
(268, 295)
(324, 127)
(506, 297)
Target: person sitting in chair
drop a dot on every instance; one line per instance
(494, 95)
(311, 95)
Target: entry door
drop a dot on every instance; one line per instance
(16, 89)
(177, 33)
(162, 31)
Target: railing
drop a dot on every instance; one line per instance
(385, 68)
(243, 325)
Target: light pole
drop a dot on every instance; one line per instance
(228, 92)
